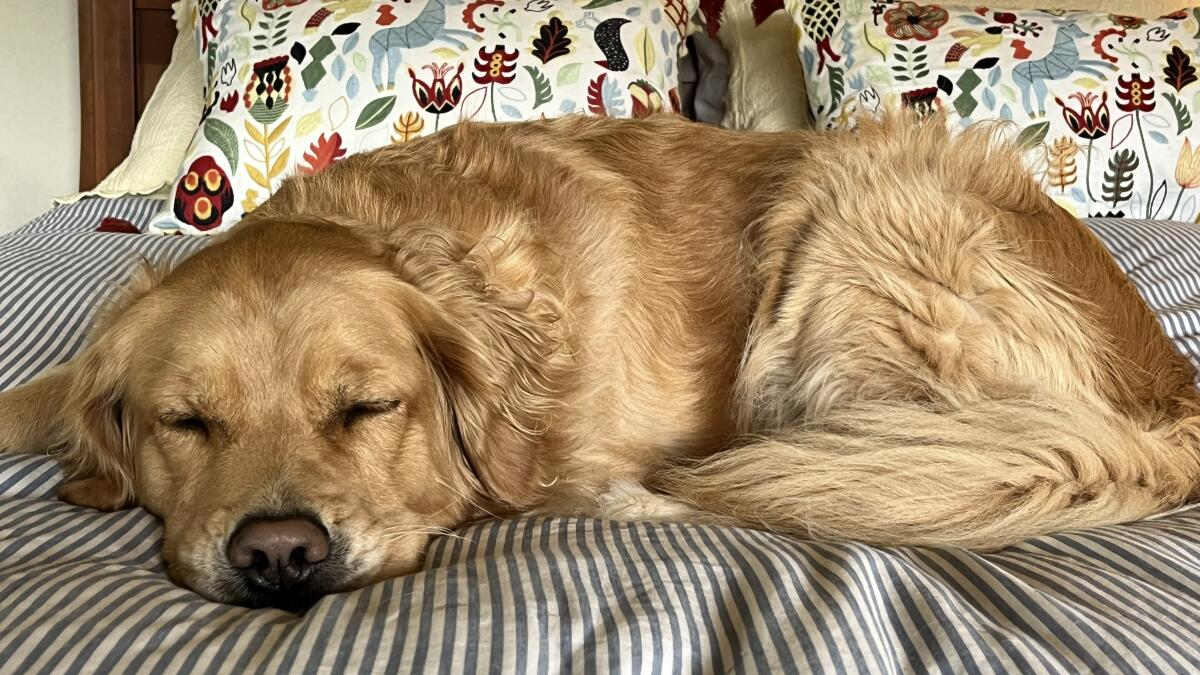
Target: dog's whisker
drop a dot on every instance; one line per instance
(394, 535)
(470, 499)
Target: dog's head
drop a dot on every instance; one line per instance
(302, 408)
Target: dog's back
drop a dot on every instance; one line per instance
(946, 358)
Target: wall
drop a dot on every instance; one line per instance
(39, 116)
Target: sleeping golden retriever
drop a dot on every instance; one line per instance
(889, 336)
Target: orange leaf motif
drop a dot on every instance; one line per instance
(322, 154)
(1062, 170)
(408, 127)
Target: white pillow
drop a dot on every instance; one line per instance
(1104, 104)
(764, 70)
(167, 124)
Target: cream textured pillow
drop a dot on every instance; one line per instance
(765, 77)
(167, 124)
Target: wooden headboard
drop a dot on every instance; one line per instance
(124, 47)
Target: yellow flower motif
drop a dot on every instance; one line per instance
(1187, 170)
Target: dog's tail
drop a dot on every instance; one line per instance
(982, 476)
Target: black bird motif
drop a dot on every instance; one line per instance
(608, 39)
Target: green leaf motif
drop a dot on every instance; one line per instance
(1032, 136)
(965, 104)
(312, 74)
(1183, 118)
(569, 74)
(309, 123)
(211, 63)
(914, 63)
(375, 112)
(837, 85)
(541, 87)
(1118, 179)
(597, 4)
(222, 135)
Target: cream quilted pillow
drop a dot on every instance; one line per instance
(167, 124)
(766, 82)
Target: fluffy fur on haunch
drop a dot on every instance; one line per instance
(890, 335)
(943, 357)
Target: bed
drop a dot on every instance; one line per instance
(83, 591)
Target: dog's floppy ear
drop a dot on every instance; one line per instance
(493, 337)
(77, 410)
(98, 451)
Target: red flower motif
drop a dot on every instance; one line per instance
(437, 96)
(495, 66)
(1177, 15)
(1090, 121)
(229, 103)
(203, 194)
(468, 14)
(924, 100)
(1128, 22)
(1135, 94)
(645, 99)
(270, 87)
(910, 21)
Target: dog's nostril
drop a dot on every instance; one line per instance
(277, 553)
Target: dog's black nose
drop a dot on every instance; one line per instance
(278, 557)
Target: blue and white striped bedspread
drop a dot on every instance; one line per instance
(82, 591)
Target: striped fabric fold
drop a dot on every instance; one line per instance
(83, 591)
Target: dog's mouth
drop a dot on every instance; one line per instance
(283, 562)
(283, 589)
(290, 597)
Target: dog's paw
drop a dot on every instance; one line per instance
(628, 500)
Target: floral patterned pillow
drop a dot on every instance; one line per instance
(1103, 103)
(296, 85)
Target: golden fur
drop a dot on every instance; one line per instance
(890, 335)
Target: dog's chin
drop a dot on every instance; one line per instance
(229, 587)
(296, 600)
(225, 584)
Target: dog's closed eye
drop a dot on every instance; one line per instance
(185, 423)
(360, 411)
